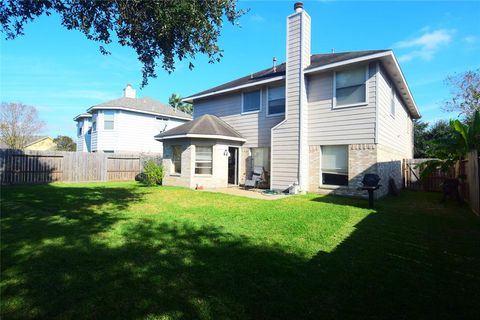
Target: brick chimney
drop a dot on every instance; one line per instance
(291, 134)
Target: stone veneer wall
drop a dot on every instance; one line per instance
(362, 159)
(188, 178)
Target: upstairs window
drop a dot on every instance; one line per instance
(350, 87)
(177, 159)
(79, 131)
(94, 126)
(203, 160)
(276, 100)
(251, 101)
(108, 116)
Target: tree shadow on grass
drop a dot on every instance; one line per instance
(390, 266)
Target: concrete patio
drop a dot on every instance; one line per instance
(249, 193)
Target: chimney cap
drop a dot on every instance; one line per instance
(298, 6)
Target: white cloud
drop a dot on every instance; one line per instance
(426, 45)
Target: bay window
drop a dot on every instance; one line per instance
(350, 87)
(203, 160)
(334, 165)
(177, 159)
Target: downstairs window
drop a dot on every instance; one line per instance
(203, 160)
(335, 165)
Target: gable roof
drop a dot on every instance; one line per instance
(143, 105)
(30, 141)
(316, 60)
(319, 62)
(206, 126)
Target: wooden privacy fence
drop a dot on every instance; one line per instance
(30, 167)
(467, 170)
(411, 175)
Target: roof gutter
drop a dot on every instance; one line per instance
(190, 99)
(201, 136)
(139, 111)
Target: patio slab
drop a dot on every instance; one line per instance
(250, 193)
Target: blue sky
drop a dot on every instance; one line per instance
(62, 73)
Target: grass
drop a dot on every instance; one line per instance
(120, 250)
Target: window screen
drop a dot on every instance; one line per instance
(108, 119)
(350, 87)
(335, 165)
(203, 160)
(276, 100)
(251, 101)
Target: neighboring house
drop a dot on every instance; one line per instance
(316, 123)
(38, 143)
(126, 124)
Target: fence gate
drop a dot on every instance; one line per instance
(411, 173)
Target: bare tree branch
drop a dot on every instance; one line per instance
(18, 124)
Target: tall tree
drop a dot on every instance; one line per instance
(176, 102)
(155, 29)
(420, 139)
(426, 137)
(65, 143)
(465, 90)
(18, 124)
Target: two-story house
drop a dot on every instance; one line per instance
(126, 124)
(316, 123)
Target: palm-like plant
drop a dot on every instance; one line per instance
(464, 138)
(176, 102)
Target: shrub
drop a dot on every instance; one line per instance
(152, 173)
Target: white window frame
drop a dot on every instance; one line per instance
(359, 104)
(268, 102)
(321, 184)
(195, 162)
(260, 105)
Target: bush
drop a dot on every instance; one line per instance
(152, 173)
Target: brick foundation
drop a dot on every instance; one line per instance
(362, 159)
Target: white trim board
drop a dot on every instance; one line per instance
(139, 111)
(201, 136)
(248, 85)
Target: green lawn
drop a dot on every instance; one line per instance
(120, 250)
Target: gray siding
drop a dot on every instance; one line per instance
(395, 131)
(285, 160)
(255, 127)
(351, 125)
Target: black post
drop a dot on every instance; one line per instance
(370, 198)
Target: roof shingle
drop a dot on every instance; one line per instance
(207, 125)
(316, 60)
(145, 104)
